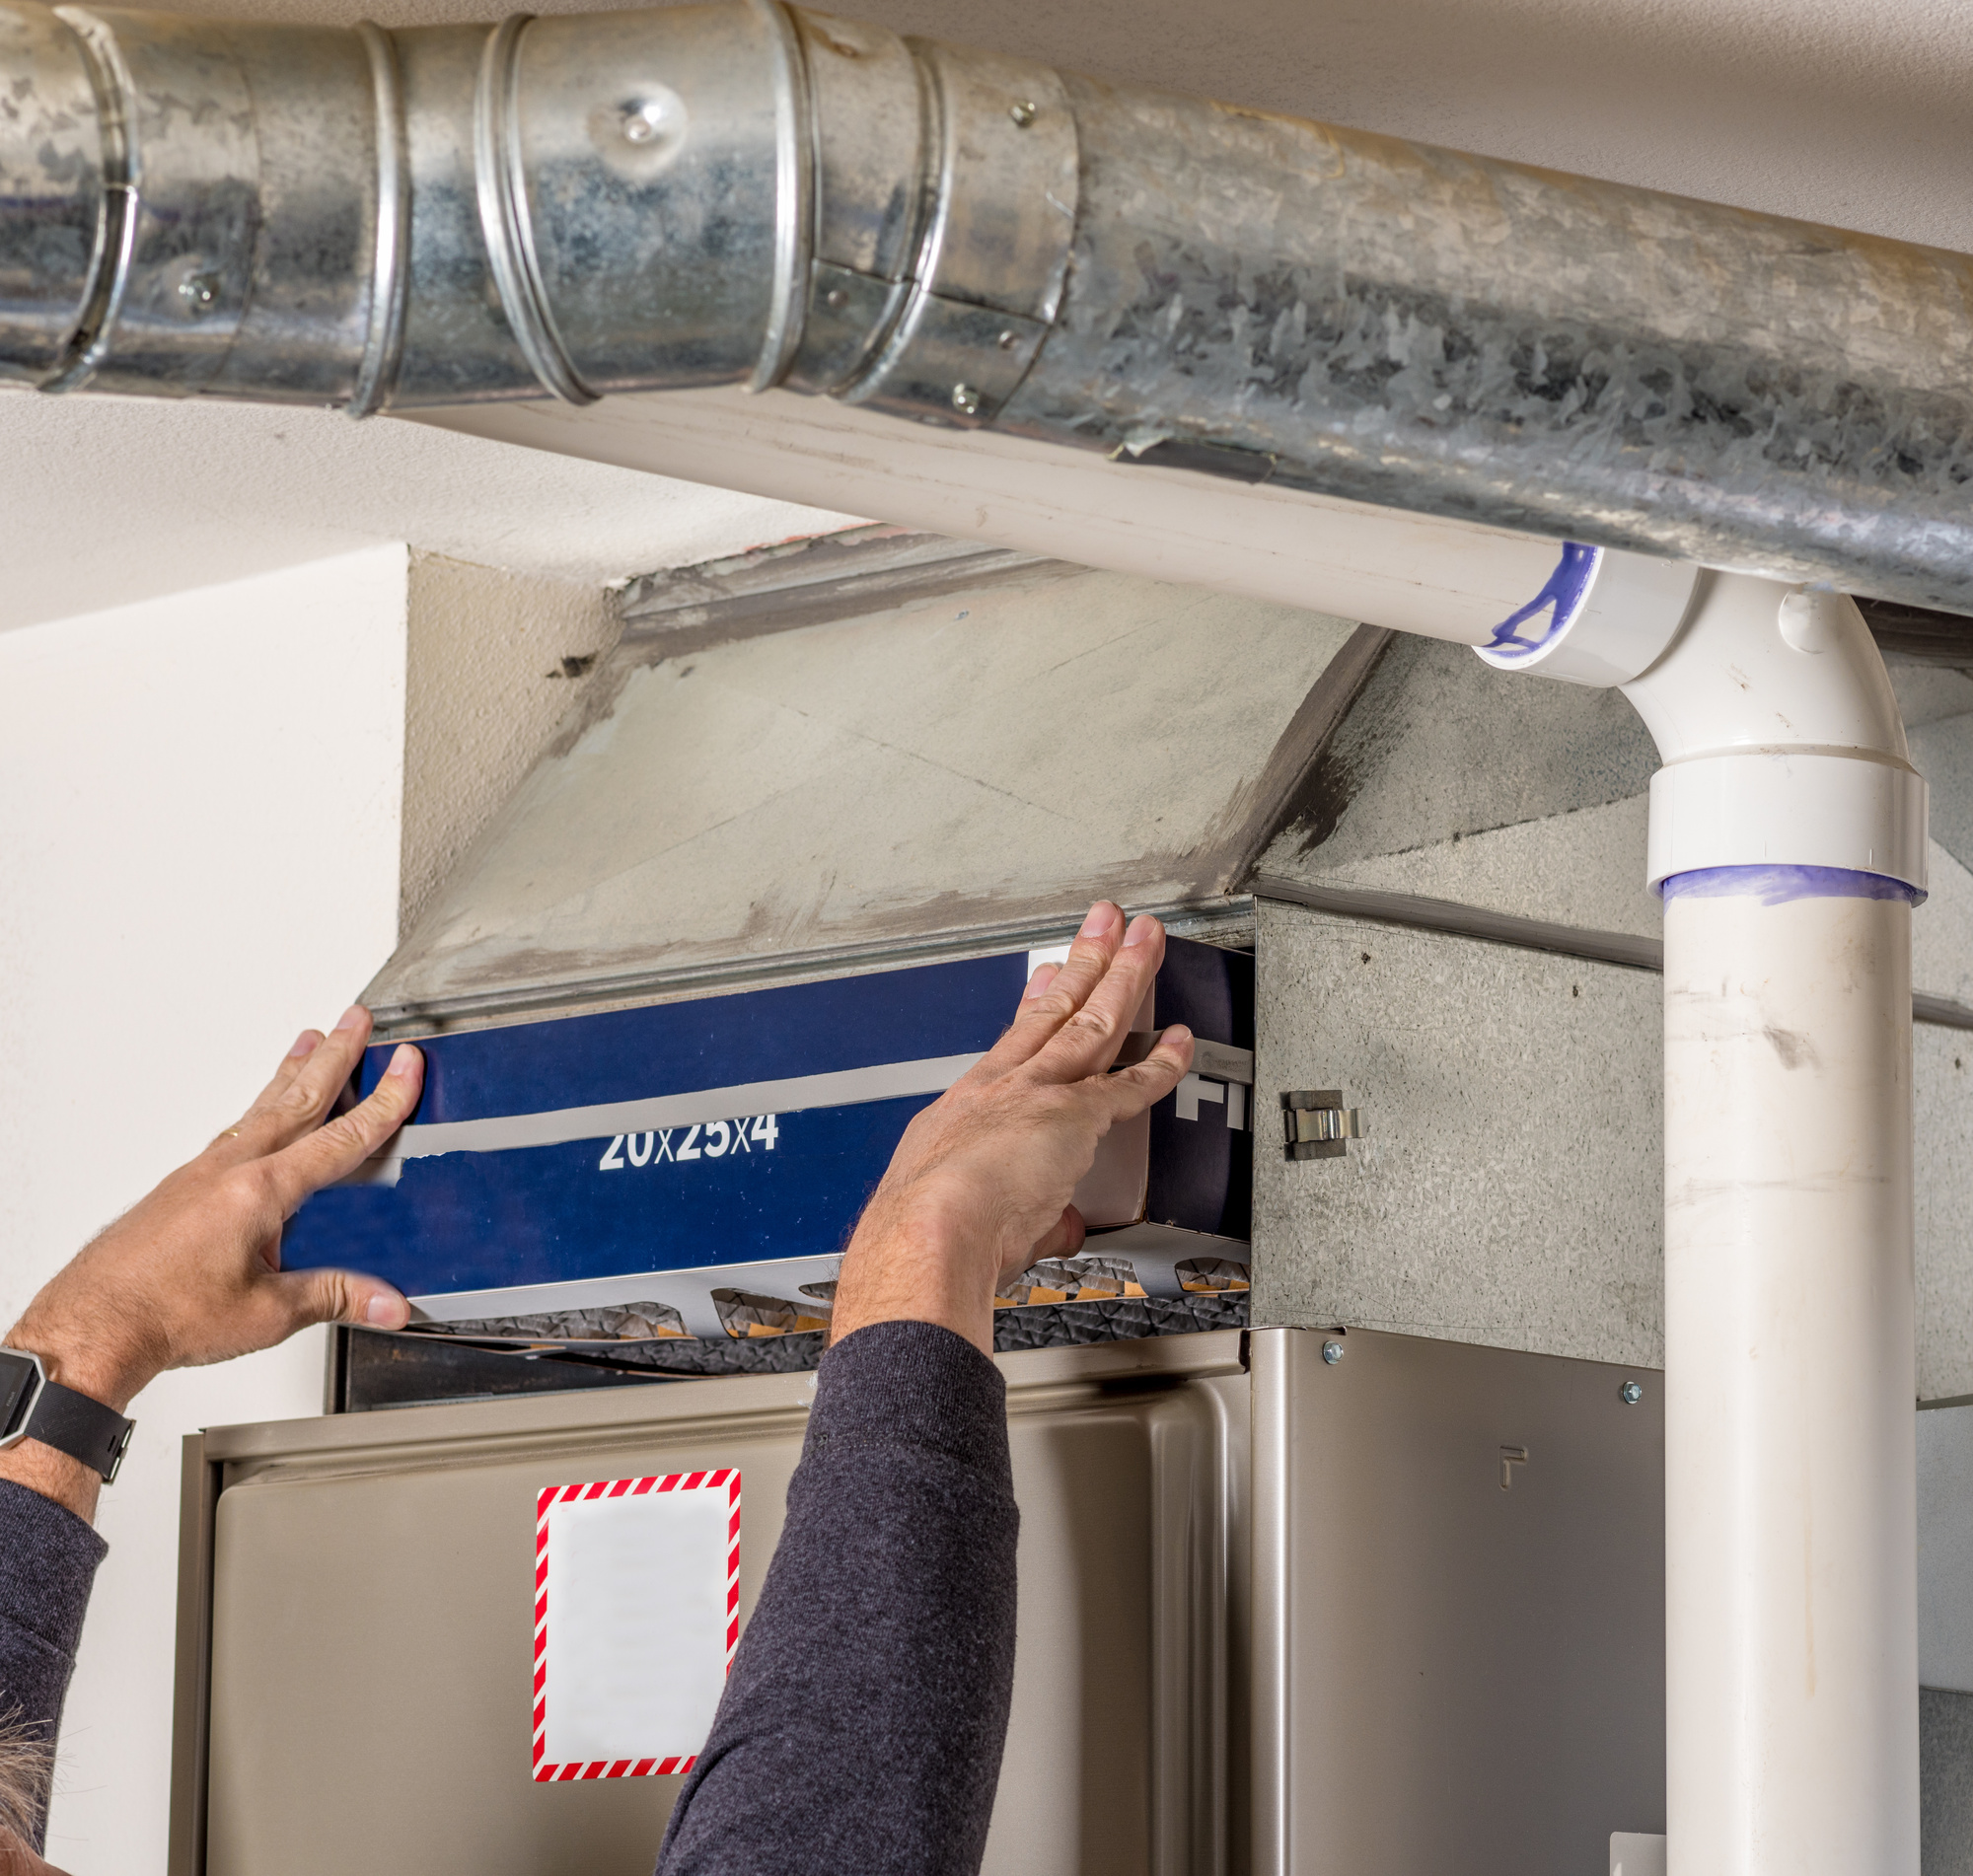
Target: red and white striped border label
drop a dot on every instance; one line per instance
(726, 1478)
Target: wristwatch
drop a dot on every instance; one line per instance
(33, 1407)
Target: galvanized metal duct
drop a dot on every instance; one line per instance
(744, 192)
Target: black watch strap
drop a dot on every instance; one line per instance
(83, 1428)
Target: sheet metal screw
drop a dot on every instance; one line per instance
(835, 297)
(644, 122)
(1023, 114)
(1008, 340)
(1631, 1393)
(199, 291)
(965, 400)
(1332, 1353)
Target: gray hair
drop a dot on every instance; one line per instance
(27, 1760)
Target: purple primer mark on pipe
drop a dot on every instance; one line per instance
(1781, 885)
(1560, 599)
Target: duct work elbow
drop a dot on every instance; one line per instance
(581, 205)
(746, 194)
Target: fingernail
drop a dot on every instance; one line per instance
(1176, 1034)
(386, 1310)
(1102, 916)
(305, 1043)
(1040, 982)
(403, 1059)
(1143, 929)
(351, 1017)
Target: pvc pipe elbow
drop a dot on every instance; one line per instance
(1781, 738)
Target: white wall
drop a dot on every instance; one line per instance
(199, 832)
(485, 687)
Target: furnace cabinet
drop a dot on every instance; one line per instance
(1295, 1598)
(1259, 1591)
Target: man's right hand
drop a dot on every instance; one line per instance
(979, 1186)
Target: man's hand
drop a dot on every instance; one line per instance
(192, 1274)
(979, 1186)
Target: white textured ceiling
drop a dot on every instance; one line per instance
(1858, 115)
(107, 500)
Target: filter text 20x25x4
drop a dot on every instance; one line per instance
(709, 1140)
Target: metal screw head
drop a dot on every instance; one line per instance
(1332, 1353)
(1008, 340)
(1631, 1393)
(1023, 113)
(965, 400)
(658, 117)
(637, 131)
(835, 298)
(199, 291)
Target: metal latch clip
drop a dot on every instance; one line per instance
(1318, 1125)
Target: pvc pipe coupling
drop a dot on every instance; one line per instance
(1783, 741)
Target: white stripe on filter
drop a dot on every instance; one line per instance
(844, 1088)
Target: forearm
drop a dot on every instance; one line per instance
(41, 1469)
(864, 1724)
(47, 1563)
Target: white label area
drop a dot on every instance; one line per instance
(635, 1646)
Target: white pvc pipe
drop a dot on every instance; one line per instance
(1788, 835)
(1413, 573)
(1791, 1669)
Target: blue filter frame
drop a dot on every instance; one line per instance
(597, 1204)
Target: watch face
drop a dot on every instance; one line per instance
(18, 1387)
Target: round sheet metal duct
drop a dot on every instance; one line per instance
(746, 194)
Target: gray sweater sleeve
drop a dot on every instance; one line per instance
(47, 1563)
(863, 1725)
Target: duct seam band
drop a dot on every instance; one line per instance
(1796, 808)
(110, 260)
(174, 273)
(390, 261)
(794, 199)
(987, 272)
(501, 173)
